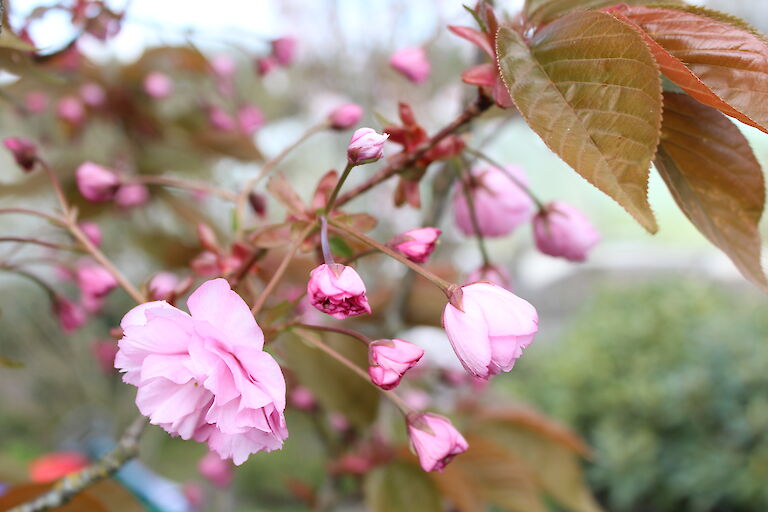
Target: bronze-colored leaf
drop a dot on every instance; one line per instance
(715, 178)
(539, 12)
(282, 190)
(588, 85)
(400, 486)
(712, 57)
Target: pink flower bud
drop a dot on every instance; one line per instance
(500, 204)
(224, 66)
(416, 244)
(70, 315)
(220, 119)
(496, 275)
(53, 466)
(302, 398)
(23, 150)
(71, 110)
(390, 359)
(162, 286)
(36, 102)
(95, 282)
(93, 94)
(435, 440)
(265, 66)
(338, 291)
(104, 352)
(412, 63)
(563, 231)
(284, 50)
(96, 183)
(366, 146)
(250, 119)
(216, 470)
(158, 85)
(489, 327)
(92, 231)
(131, 195)
(345, 116)
(338, 422)
(258, 203)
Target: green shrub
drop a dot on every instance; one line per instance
(669, 384)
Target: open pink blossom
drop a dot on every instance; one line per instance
(131, 195)
(96, 183)
(366, 146)
(412, 63)
(345, 116)
(284, 50)
(95, 282)
(216, 470)
(563, 231)
(23, 150)
(490, 327)
(158, 85)
(337, 290)
(71, 110)
(416, 244)
(435, 440)
(92, 231)
(70, 315)
(390, 359)
(205, 375)
(500, 204)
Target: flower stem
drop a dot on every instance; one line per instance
(194, 186)
(337, 189)
(327, 254)
(465, 181)
(482, 156)
(341, 330)
(436, 280)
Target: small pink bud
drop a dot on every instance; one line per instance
(259, 204)
(54, 466)
(220, 119)
(264, 66)
(490, 329)
(224, 66)
(23, 150)
(563, 231)
(302, 398)
(284, 50)
(162, 286)
(250, 119)
(96, 183)
(93, 94)
(71, 110)
(131, 195)
(366, 146)
(36, 102)
(496, 275)
(92, 231)
(345, 116)
(412, 63)
(390, 359)
(70, 315)
(338, 291)
(104, 352)
(216, 470)
(158, 85)
(435, 440)
(416, 244)
(338, 422)
(95, 282)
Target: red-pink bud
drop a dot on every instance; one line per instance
(23, 150)
(259, 204)
(70, 315)
(131, 195)
(284, 50)
(345, 116)
(416, 244)
(490, 329)
(563, 231)
(265, 65)
(158, 85)
(92, 231)
(337, 291)
(53, 466)
(365, 146)
(104, 352)
(95, 282)
(390, 359)
(216, 470)
(435, 440)
(411, 63)
(96, 183)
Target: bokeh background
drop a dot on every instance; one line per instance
(654, 351)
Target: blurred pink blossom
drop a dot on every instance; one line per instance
(36, 102)
(216, 470)
(158, 85)
(284, 50)
(92, 231)
(131, 195)
(563, 231)
(96, 183)
(345, 116)
(93, 94)
(71, 110)
(412, 63)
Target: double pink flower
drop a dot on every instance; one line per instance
(390, 359)
(435, 440)
(338, 291)
(563, 231)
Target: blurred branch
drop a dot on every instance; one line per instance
(44, 243)
(167, 181)
(63, 491)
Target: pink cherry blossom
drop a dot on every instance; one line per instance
(338, 291)
(70, 315)
(390, 359)
(366, 146)
(345, 116)
(435, 440)
(95, 282)
(71, 110)
(563, 231)
(92, 231)
(158, 85)
(250, 119)
(493, 273)
(216, 470)
(23, 150)
(93, 94)
(490, 328)
(162, 285)
(284, 50)
(96, 183)
(500, 204)
(416, 244)
(412, 63)
(131, 195)
(205, 375)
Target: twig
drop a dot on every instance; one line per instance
(44, 243)
(167, 181)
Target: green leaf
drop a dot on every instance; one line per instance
(588, 85)
(715, 178)
(400, 486)
(7, 362)
(538, 12)
(336, 387)
(340, 248)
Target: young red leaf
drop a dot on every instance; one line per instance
(539, 12)
(589, 86)
(715, 178)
